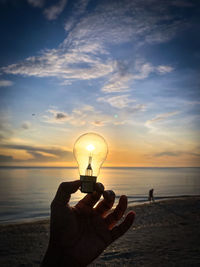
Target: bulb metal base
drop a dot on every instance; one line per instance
(87, 183)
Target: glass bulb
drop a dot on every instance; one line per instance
(90, 151)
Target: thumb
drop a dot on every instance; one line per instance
(64, 192)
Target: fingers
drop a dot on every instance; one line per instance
(117, 214)
(99, 187)
(106, 204)
(92, 198)
(121, 229)
(64, 192)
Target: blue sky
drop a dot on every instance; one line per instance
(126, 69)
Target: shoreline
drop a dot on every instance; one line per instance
(131, 204)
(165, 233)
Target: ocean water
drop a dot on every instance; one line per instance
(26, 193)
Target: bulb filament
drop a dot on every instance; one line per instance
(89, 170)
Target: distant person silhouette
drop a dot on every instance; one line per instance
(151, 197)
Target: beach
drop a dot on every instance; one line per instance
(165, 233)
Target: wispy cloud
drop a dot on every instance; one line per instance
(117, 83)
(162, 117)
(66, 64)
(120, 101)
(176, 154)
(165, 31)
(127, 20)
(54, 11)
(85, 53)
(78, 117)
(5, 83)
(121, 79)
(26, 125)
(86, 115)
(36, 3)
(162, 69)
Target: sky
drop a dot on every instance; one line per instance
(126, 69)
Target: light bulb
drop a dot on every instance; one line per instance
(90, 151)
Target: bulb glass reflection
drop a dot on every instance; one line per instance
(90, 151)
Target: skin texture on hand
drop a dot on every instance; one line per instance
(80, 234)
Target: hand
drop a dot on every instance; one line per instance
(79, 234)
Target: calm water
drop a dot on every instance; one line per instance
(26, 193)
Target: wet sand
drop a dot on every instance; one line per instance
(165, 233)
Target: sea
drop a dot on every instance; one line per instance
(26, 192)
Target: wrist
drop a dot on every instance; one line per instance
(52, 258)
(56, 257)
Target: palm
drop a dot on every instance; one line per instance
(90, 236)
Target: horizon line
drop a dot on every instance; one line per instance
(76, 167)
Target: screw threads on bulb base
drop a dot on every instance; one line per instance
(87, 183)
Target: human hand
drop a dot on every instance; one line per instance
(79, 234)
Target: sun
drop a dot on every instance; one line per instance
(90, 147)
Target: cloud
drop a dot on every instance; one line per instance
(122, 21)
(85, 115)
(4, 158)
(116, 22)
(85, 53)
(36, 3)
(58, 116)
(122, 77)
(165, 32)
(5, 83)
(78, 117)
(40, 153)
(61, 116)
(65, 64)
(26, 125)
(162, 117)
(117, 83)
(164, 69)
(98, 123)
(168, 153)
(78, 64)
(120, 101)
(176, 154)
(52, 12)
(135, 108)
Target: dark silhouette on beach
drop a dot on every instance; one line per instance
(151, 196)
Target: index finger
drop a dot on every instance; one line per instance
(64, 192)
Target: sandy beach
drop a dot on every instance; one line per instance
(165, 233)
